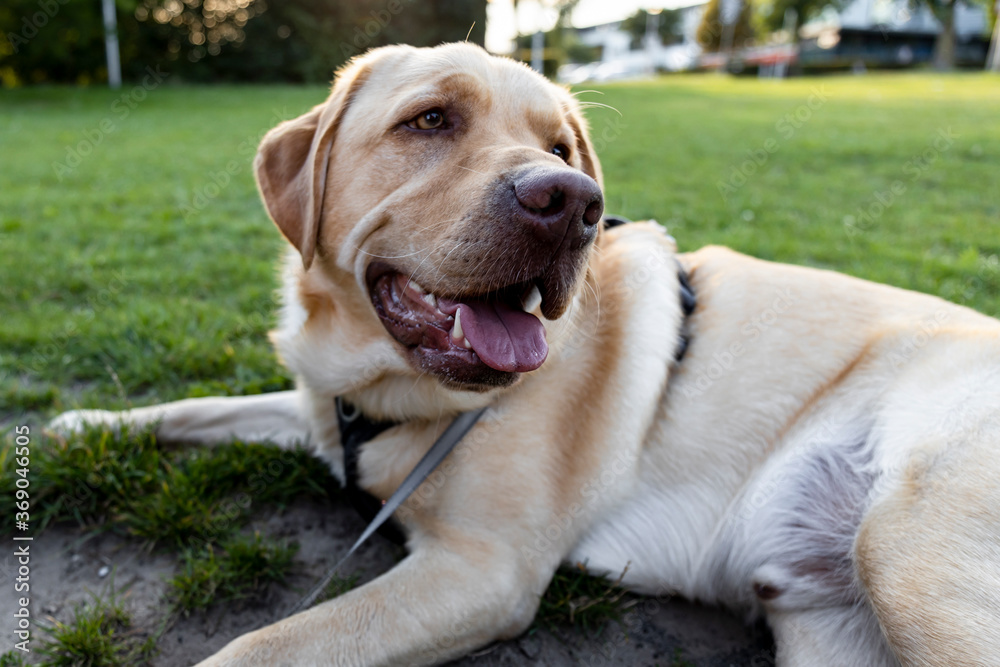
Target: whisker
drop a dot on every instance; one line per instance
(437, 224)
(371, 254)
(429, 253)
(443, 260)
(600, 105)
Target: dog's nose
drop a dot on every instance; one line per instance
(559, 203)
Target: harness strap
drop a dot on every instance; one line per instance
(355, 430)
(688, 301)
(437, 453)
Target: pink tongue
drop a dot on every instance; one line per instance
(504, 338)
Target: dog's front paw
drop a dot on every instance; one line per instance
(76, 421)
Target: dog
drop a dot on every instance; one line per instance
(803, 446)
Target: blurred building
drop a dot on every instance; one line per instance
(865, 34)
(618, 58)
(889, 33)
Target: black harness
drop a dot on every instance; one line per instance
(356, 429)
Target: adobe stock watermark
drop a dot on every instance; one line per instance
(55, 343)
(988, 272)
(926, 331)
(786, 127)
(763, 491)
(903, 15)
(870, 213)
(611, 131)
(258, 318)
(722, 362)
(621, 294)
(216, 182)
(447, 640)
(120, 109)
(380, 19)
(31, 25)
(562, 528)
(487, 427)
(832, 428)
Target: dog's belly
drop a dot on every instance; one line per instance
(789, 538)
(655, 538)
(695, 529)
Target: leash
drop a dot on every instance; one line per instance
(437, 453)
(356, 430)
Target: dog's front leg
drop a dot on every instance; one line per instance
(445, 599)
(275, 417)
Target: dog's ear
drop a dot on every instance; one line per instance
(293, 159)
(591, 165)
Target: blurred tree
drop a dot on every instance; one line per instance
(305, 39)
(670, 27)
(711, 30)
(47, 40)
(336, 31)
(561, 43)
(773, 15)
(220, 40)
(944, 12)
(188, 37)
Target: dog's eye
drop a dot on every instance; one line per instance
(561, 151)
(428, 120)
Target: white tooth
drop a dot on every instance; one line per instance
(431, 300)
(457, 332)
(466, 343)
(532, 301)
(415, 287)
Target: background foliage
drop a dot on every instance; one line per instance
(711, 30)
(62, 41)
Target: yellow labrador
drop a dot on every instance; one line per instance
(825, 453)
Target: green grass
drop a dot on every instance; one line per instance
(681, 137)
(576, 599)
(146, 272)
(90, 314)
(193, 501)
(126, 482)
(101, 634)
(239, 568)
(128, 282)
(11, 659)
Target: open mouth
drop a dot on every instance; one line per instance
(474, 339)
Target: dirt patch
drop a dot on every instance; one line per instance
(68, 566)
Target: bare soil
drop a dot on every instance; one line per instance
(68, 566)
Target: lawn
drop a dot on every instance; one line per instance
(139, 265)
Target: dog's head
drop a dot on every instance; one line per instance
(448, 194)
